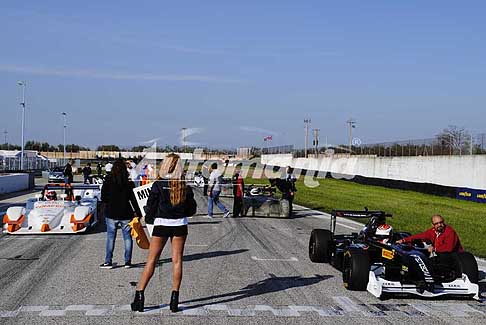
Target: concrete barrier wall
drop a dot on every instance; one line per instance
(14, 182)
(454, 171)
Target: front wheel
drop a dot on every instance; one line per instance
(356, 269)
(319, 244)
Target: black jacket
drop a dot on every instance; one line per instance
(159, 206)
(86, 171)
(119, 200)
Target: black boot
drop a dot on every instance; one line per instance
(174, 301)
(137, 304)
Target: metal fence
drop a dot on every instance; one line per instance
(30, 163)
(277, 150)
(466, 145)
(470, 145)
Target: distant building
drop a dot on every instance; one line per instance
(243, 153)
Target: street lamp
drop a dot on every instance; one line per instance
(23, 84)
(183, 135)
(64, 137)
(307, 122)
(352, 125)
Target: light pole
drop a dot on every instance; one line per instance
(64, 137)
(307, 123)
(183, 134)
(5, 132)
(316, 141)
(352, 125)
(23, 84)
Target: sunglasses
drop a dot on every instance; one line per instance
(438, 223)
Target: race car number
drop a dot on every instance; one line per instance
(387, 254)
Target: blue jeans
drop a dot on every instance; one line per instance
(111, 225)
(214, 199)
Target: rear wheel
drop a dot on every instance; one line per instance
(469, 266)
(356, 269)
(319, 244)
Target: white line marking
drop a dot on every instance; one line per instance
(9, 313)
(52, 313)
(278, 312)
(195, 312)
(33, 309)
(80, 307)
(346, 304)
(292, 259)
(218, 307)
(97, 312)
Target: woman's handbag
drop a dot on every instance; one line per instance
(138, 233)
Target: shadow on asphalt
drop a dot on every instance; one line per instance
(195, 257)
(204, 222)
(270, 285)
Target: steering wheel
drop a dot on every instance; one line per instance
(419, 244)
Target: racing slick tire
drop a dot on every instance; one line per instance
(356, 269)
(469, 266)
(319, 244)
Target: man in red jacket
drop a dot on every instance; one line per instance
(443, 237)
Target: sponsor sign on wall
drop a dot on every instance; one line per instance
(469, 194)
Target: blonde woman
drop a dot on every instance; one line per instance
(170, 202)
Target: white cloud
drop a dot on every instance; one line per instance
(258, 130)
(85, 73)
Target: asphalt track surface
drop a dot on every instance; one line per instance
(236, 270)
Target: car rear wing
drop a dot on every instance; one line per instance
(359, 214)
(61, 186)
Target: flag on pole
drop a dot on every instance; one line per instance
(267, 138)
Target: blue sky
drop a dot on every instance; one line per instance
(126, 72)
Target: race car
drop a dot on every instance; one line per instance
(58, 209)
(372, 260)
(261, 201)
(56, 175)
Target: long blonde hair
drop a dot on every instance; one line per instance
(171, 168)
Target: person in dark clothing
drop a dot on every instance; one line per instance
(169, 204)
(98, 169)
(238, 190)
(86, 173)
(290, 188)
(119, 200)
(68, 172)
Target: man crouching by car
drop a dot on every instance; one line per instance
(443, 237)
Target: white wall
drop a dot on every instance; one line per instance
(455, 171)
(13, 182)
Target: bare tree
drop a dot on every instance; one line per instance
(456, 139)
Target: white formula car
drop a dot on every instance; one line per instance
(58, 209)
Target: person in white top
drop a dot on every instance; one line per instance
(132, 172)
(214, 190)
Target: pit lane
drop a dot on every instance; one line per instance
(236, 270)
